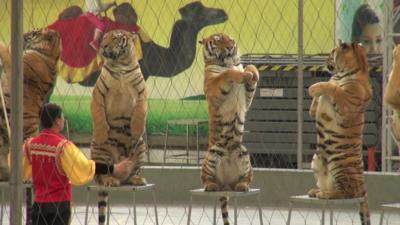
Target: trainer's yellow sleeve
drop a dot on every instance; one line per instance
(76, 166)
(27, 167)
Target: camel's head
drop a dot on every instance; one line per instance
(202, 16)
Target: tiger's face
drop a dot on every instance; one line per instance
(45, 41)
(220, 49)
(118, 45)
(346, 57)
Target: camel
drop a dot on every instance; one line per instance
(157, 60)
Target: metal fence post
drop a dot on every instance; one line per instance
(300, 88)
(16, 111)
(387, 62)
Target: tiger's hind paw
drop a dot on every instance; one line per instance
(323, 195)
(211, 187)
(313, 192)
(137, 180)
(109, 181)
(242, 187)
(334, 195)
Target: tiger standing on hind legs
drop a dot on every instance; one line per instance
(119, 110)
(338, 107)
(41, 53)
(392, 94)
(229, 90)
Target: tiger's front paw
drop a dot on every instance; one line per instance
(253, 70)
(315, 90)
(211, 187)
(242, 187)
(246, 77)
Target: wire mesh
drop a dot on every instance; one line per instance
(267, 35)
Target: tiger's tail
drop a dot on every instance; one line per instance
(5, 58)
(224, 209)
(364, 211)
(102, 206)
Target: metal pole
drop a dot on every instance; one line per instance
(16, 111)
(334, 22)
(300, 84)
(387, 64)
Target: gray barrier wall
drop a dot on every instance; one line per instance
(173, 185)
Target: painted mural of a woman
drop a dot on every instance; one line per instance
(367, 30)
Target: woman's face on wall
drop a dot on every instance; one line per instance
(372, 38)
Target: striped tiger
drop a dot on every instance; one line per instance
(392, 94)
(119, 110)
(229, 90)
(338, 107)
(41, 53)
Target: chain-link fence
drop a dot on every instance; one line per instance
(177, 93)
(289, 49)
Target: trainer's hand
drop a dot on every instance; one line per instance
(123, 169)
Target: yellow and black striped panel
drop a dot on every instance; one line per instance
(311, 68)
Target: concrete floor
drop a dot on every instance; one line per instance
(177, 215)
(203, 215)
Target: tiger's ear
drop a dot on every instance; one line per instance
(132, 36)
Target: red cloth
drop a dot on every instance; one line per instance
(77, 33)
(95, 20)
(49, 181)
